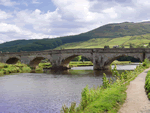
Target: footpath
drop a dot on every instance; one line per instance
(136, 101)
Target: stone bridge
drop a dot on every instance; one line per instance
(101, 58)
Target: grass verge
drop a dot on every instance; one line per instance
(147, 84)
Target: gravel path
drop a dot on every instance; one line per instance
(136, 101)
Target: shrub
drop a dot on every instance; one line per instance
(26, 69)
(39, 70)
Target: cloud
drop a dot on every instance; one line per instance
(70, 17)
(35, 2)
(4, 15)
(13, 32)
(8, 3)
(9, 28)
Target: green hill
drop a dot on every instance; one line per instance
(110, 34)
(137, 40)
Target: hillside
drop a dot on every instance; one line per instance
(137, 40)
(95, 38)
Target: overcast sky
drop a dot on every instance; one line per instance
(37, 19)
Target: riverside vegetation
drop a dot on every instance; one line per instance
(108, 97)
(18, 68)
(147, 84)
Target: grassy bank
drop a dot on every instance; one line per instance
(18, 68)
(147, 84)
(110, 96)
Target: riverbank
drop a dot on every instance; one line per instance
(6, 69)
(110, 96)
(17, 68)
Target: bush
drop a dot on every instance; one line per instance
(39, 70)
(26, 69)
(1, 72)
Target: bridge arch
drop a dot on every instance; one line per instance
(109, 61)
(66, 60)
(12, 60)
(36, 60)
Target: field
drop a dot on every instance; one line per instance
(138, 40)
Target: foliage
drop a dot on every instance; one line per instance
(39, 70)
(78, 58)
(80, 63)
(147, 84)
(45, 65)
(146, 63)
(17, 68)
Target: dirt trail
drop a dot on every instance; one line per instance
(136, 101)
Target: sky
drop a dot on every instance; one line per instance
(38, 19)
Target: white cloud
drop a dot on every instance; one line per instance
(12, 32)
(70, 17)
(4, 15)
(8, 3)
(40, 21)
(9, 28)
(110, 12)
(35, 2)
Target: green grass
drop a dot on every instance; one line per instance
(147, 81)
(17, 68)
(108, 99)
(80, 63)
(101, 42)
(121, 62)
(44, 65)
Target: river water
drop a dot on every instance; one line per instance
(47, 92)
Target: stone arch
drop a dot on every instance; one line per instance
(12, 60)
(36, 60)
(109, 61)
(65, 61)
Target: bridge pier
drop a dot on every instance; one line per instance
(96, 67)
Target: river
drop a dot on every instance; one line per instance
(47, 92)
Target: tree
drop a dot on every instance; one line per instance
(78, 58)
(106, 46)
